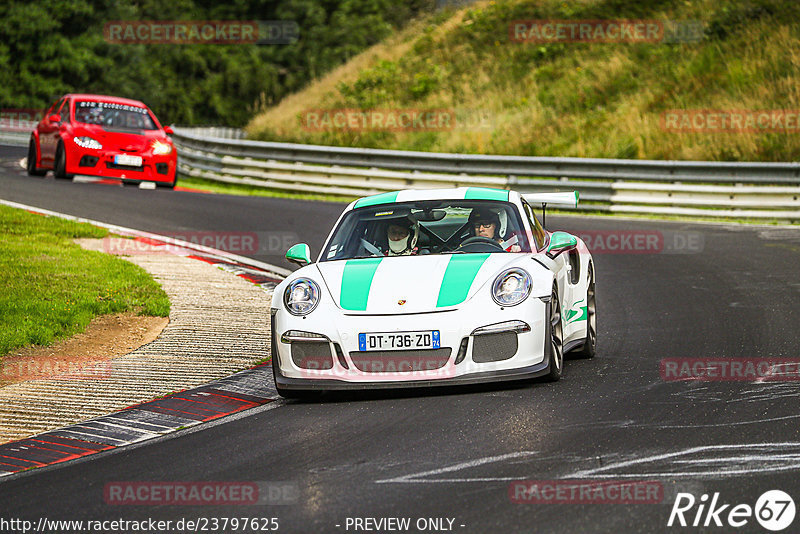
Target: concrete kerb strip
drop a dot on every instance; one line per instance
(121, 230)
(219, 326)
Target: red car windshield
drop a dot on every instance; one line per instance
(111, 115)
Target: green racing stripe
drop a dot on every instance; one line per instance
(458, 277)
(485, 193)
(356, 282)
(382, 198)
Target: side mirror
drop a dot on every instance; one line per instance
(54, 118)
(168, 130)
(561, 242)
(299, 254)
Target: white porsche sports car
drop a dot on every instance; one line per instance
(434, 287)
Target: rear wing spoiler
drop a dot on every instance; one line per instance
(567, 199)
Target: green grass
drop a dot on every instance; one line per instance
(52, 288)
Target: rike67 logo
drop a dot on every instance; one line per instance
(774, 510)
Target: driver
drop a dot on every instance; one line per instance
(402, 235)
(486, 223)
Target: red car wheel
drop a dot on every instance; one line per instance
(61, 163)
(33, 157)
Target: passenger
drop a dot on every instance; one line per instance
(402, 235)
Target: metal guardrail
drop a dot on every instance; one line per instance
(215, 132)
(18, 135)
(686, 188)
(689, 188)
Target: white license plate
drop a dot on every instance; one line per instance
(125, 159)
(429, 339)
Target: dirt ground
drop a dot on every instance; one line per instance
(106, 337)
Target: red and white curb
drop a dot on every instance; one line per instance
(241, 391)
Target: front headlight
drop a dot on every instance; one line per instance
(511, 287)
(160, 148)
(87, 142)
(301, 296)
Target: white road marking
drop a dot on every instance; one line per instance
(712, 425)
(716, 473)
(730, 460)
(457, 467)
(756, 461)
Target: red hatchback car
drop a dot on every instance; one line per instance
(102, 136)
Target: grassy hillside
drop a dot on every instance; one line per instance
(568, 99)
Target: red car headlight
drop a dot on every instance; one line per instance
(87, 142)
(160, 148)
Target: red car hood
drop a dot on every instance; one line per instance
(123, 140)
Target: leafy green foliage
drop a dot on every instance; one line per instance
(52, 47)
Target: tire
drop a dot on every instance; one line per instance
(33, 157)
(61, 164)
(590, 345)
(554, 339)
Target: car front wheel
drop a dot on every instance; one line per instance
(554, 340)
(61, 163)
(589, 346)
(33, 157)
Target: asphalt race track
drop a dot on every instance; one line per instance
(706, 291)
(271, 222)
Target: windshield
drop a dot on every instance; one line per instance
(428, 227)
(110, 115)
